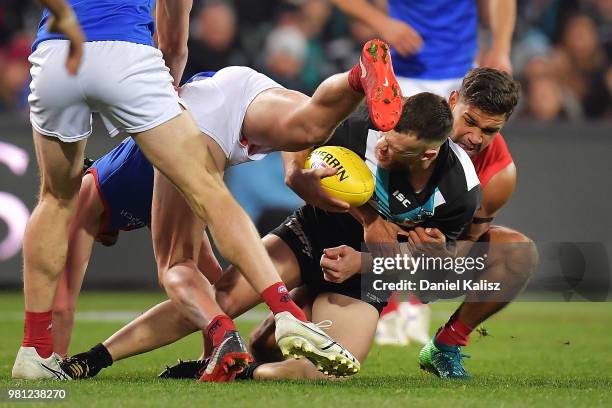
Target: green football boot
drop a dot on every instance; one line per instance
(442, 360)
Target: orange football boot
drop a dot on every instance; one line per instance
(383, 93)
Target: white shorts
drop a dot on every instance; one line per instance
(218, 105)
(441, 87)
(127, 83)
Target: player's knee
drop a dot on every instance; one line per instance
(179, 275)
(519, 252)
(64, 200)
(64, 190)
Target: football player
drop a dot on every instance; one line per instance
(416, 158)
(252, 115)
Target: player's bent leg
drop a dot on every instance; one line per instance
(61, 170)
(235, 296)
(511, 259)
(160, 325)
(177, 237)
(356, 334)
(195, 163)
(83, 229)
(233, 292)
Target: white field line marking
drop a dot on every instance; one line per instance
(124, 316)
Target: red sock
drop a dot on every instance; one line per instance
(392, 305)
(454, 333)
(354, 78)
(278, 300)
(37, 332)
(208, 347)
(217, 328)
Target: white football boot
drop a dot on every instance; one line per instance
(30, 366)
(390, 330)
(416, 319)
(304, 339)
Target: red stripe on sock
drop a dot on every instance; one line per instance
(37, 332)
(217, 328)
(278, 300)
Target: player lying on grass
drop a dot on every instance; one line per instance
(245, 115)
(416, 158)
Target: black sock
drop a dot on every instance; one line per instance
(96, 359)
(101, 355)
(248, 372)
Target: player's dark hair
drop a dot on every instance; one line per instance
(490, 90)
(428, 116)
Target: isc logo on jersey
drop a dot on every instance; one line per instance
(353, 181)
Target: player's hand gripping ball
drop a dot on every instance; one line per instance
(353, 181)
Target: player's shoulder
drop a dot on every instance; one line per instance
(500, 148)
(463, 161)
(353, 132)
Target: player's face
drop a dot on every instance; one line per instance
(473, 129)
(395, 150)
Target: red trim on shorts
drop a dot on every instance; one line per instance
(244, 142)
(106, 214)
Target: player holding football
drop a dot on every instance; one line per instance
(445, 200)
(434, 44)
(125, 78)
(481, 107)
(243, 125)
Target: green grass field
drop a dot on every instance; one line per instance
(537, 355)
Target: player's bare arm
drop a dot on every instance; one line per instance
(398, 34)
(64, 21)
(172, 33)
(499, 16)
(495, 195)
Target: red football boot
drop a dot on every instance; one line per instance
(383, 93)
(228, 359)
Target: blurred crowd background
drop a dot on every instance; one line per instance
(561, 50)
